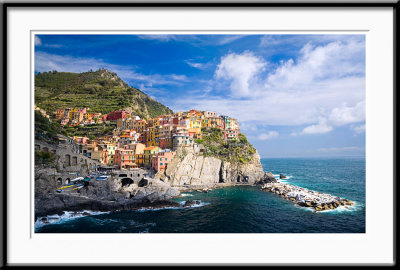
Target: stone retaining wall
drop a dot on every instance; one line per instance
(70, 161)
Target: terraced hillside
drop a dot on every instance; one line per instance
(101, 91)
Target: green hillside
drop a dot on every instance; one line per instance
(100, 91)
(215, 146)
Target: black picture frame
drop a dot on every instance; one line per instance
(289, 4)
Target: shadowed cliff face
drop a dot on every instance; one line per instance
(190, 168)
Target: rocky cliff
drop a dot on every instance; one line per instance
(108, 195)
(190, 168)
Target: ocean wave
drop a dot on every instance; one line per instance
(106, 221)
(182, 203)
(344, 209)
(157, 209)
(68, 215)
(139, 227)
(276, 176)
(339, 210)
(195, 205)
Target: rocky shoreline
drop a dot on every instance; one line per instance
(103, 196)
(306, 198)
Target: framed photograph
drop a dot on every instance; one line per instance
(199, 134)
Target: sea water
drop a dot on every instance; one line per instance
(245, 209)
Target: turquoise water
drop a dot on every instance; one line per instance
(246, 209)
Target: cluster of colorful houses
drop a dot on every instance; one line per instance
(151, 144)
(81, 116)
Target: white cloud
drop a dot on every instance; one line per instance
(359, 129)
(348, 114)
(162, 38)
(269, 135)
(319, 128)
(338, 117)
(197, 65)
(181, 78)
(334, 60)
(340, 149)
(228, 39)
(38, 42)
(240, 69)
(194, 65)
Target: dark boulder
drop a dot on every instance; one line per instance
(190, 203)
(267, 178)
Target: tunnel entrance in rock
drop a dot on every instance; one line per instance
(126, 181)
(221, 178)
(143, 182)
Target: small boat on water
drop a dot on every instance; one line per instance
(87, 179)
(103, 177)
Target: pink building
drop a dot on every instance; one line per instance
(160, 161)
(125, 157)
(81, 140)
(64, 121)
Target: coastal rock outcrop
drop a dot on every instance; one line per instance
(306, 198)
(268, 177)
(190, 168)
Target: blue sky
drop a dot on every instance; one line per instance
(293, 95)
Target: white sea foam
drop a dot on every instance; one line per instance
(186, 195)
(102, 222)
(182, 203)
(343, 209)
(284, 180)
(195, 205)
(157, 209)
(68, 215)
(339, 210)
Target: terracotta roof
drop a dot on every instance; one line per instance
(150, 147)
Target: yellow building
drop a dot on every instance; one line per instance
(149, 152)
(111, 153)
(140, 160)
(139, 126)
(60, 113)
(206, 122)
(195, 122)
(151, 136)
